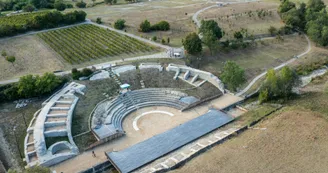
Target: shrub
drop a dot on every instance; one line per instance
(154, 38)
(163, 41)
(119, 24)
(98, 20)
(60, 5)
(11, 59)
(81, 4)
(145, 26)
(161, 26)
(3, 53)
(272, 30)
(29, 8)
(69, 6)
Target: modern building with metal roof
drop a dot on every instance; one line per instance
(138, 155)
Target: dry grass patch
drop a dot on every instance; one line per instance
(293, 141)
(255, 60)
(32, 56)
(172, 11)
(232, 18)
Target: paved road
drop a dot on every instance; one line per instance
(100, 66)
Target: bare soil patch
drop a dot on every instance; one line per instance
(293, 141)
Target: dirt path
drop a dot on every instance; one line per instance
(309, 47)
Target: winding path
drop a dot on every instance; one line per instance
(242, 92)
(309, 47)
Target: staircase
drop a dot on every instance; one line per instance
(112, 75)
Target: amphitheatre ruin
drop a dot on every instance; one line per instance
(163, 86)
(146, 123)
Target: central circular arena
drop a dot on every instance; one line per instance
(150, 121)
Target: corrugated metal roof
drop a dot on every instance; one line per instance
(144, 152)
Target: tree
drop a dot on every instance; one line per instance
(26, 86)
(192, 44)
(233, 75)
(210, 40)
(119, 24)
(60, 5)
(285, 6)
(211, 25)
(47, 83)
(278, 86)
(168, 40)
(316, 5)
(145, 26)
(29, 8)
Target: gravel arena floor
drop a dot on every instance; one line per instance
(290, 141)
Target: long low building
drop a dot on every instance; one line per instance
(138, 155)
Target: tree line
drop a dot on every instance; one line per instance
(311, 18)
(43, 21)
(31, 86)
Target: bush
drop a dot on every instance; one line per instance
(3, 53)
(161, 26)
(60, 5)
(119, 24)
(11, 59)
(154, 38)
(98, 20)
(69, 6)
(84, 73)
(29, 8)
(81, 4)
(163, 41)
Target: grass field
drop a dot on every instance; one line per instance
(32, 56)
(177, 13)
(234, 17)
(290, 141)
(86, 42)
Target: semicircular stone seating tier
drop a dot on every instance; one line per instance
(108, 117)
(54, 119)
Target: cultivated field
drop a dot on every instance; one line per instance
(256, 17)
(87, 42)
(291, 141)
